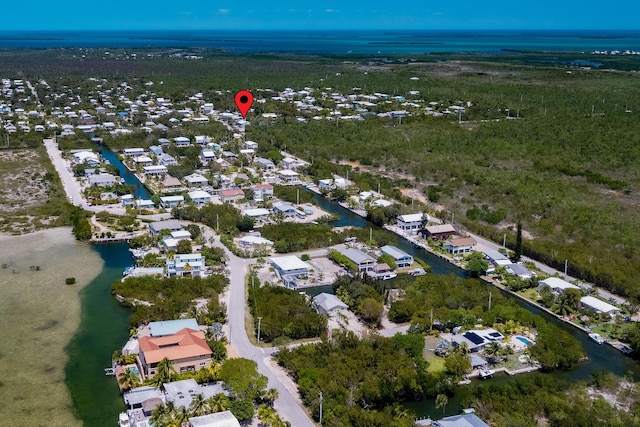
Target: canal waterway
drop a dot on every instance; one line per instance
(129, 177)
(104, 326)
(103, 329)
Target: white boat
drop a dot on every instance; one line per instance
(417, 272)
(486, 373)
(109, 371)
(596, 337)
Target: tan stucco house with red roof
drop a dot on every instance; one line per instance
(187, 349)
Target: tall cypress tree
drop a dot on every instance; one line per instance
(518, 249)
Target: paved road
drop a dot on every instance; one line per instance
(287, 405)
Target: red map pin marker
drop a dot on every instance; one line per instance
(244, 99)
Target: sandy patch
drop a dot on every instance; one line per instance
(40, 314)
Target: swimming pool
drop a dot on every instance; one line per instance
(523, 340)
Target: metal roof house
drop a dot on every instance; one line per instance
(401, 258)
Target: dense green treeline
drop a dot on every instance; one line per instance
(224, 218)
(542, 399)
(285, 313)
(155, 299)
(363, 381)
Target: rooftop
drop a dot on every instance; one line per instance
(183, 344)
(394, 252)
(290, 262)
(170, 327)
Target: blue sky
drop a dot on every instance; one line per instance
(342, 15)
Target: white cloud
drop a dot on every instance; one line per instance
(223, 11)
(329, 11)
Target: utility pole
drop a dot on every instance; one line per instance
(489, 300)
(370, 234)
(452, 216)
(504, 240)
(259, 320)
(320, 407)
(218, 223)
(566, 265)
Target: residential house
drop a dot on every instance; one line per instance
(401, 258)
(143, 161)
(87, 157)
(157, 226)
(262, 192)
(258, 215)
(519, 270)
(156, 149)
(102, 180)
(290, 163)
(557, 285)
(265, 164)
(288, 177)
(144, 204)
(202, 140)
(467, 419)
(330, 304)
(231, 196)
(217, 419)
(185, 265)
(169, 202)
(167, 160)
(251, 144)
(196, 180)
(133, 152)
(200, 197)
(290, 268)
(285, 208)
(440, 232)
(207, 155)
(477, 339)
(127, 200)
(255, 242)
(363, 261)
(171, 184)
(464, 245)
(599, 306)
(496, 257)
(155, 170)
(182, 141)
(325, 184)
(410, 222)
(187, 349)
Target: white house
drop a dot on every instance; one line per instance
(142, 160)
(464, 245)
(258, 215)
(196, 180)
(286, 208)
(255, 242)
(599, 306)
(207, 155)
(102, 180)
(325, 303)
(262, 192)
(182, 141)
(410, 222)
(87, 157)
(231, 196)
(185, 265)
(360, 259)
(290, 268)
(171, 225)
(288, 176)
(167, 160)
(169, 202)
(200, 197)
(217, 419)
(155, 170)
(557, 285)
(133, 152)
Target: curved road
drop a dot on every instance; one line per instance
(287, 404)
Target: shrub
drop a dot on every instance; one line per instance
(70, 280)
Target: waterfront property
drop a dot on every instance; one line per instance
(185, 265)
(187, 349)
(155, 170)
(287, 209)
(258, 214)
(262, 192)
(288, 177)
(477, 339)
(401, 258)
(169, 327)
(169, 202)
(460, 246)
(325, 303)
(410, 222)
(438, 232)
(496, 258)
(599, 306)
(557, 285)
(363, 261)
(101, 180)
(290, 268)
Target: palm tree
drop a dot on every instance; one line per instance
(492, 351)
(164, 373)
(218, 403)
(198, 405)
(269, 396)
(265, 414)
(129, 379)
(441, 402)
